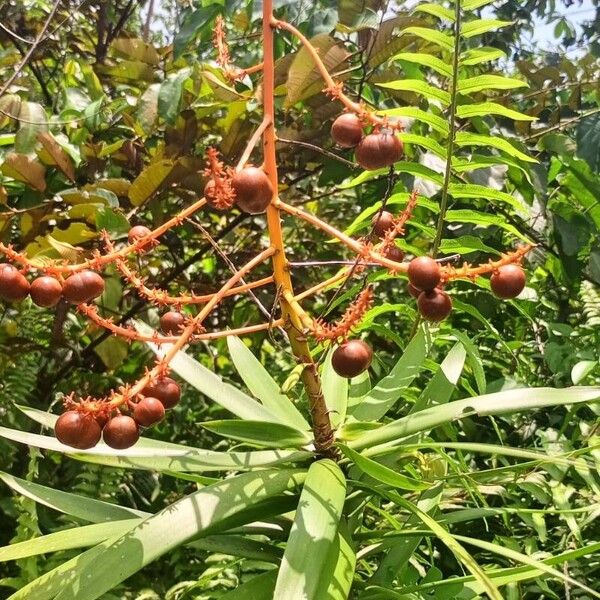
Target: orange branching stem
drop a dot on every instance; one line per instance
(323, 432)
(161, 297)
(351, 318)
(252, 144)
(162, 365)
(131, 335)
(399, 223)
(98, 261)
(220, 42)
(219, 190)
(468, 271)
(333, 88)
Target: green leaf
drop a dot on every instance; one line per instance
(387, 391)
(169, 95)
(149, 181)
(482, 109)
(507, 402)
(472, 190)
(465, 244)
(260, 587)
(210, 384)
(88, 509)
(426, 60)
(481, 26)
(488, 82)
(582, 369)
(413, 168)
(313, 533)
(418, 87)
(425, 142)
(161, 456)
(381, 472)
(473, 358)
(412, 112)
(440, 387)
(443, 40)
(206, 510)
(335, 392)
(258, 432)
(476, 56)
(464, 138)
(436, 10)
(69, 539)
(474, 4)
(263, 386)
(338, 572)
(194, 24)
(478, 218)
(33, 122)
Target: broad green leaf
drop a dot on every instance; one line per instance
(88, 509)
(387, 391)
(412, 112)
(338, 572)
(465, 138)
(149, 181)
(476, 56)
(479, 218)
(313, 533)
(473, 4)
(473, 358)
(194, 24)
(488, 82)
(465, 244)
(582, 369)
(210, 384)
(440, 387)
(195, 515)
(436, 10)
(424, 142)
(161, 456)
(381, 472)
(472, 190)
(500, 403)
(418, 87)
(413, 168)
(335, 392)
(34, 121)
(76, 537)
(481, 26)
(304, 79)
(426, 60)
(482, 109)
(443, 40)
(261, 433)
(170, 93)
(263, 386)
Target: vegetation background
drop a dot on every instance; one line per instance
(132, 103)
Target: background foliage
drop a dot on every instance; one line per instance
(107, 127)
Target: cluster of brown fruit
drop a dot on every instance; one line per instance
(83, 430)
(46, 291)
(379, 149)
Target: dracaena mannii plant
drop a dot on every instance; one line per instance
(335, 480)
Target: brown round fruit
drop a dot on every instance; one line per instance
(351, 358)
(83, 286)
(148, 411)
(165, 389)
(172, 322)
(78, 430)
(45, 291)
(347, 130)
(13, 285)
(424, 273)
(435, 305)
(378, 150)
(253, 190)
(136, 232)
(121, 432)
(382, 223)
(413, 291)
(394, 253)
(508, 281)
